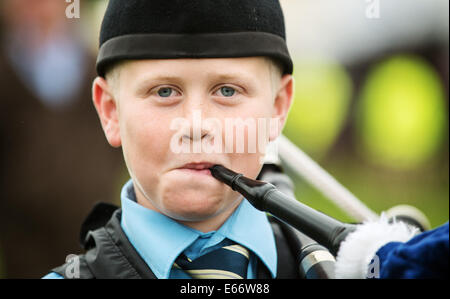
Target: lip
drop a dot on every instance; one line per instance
(198, 167)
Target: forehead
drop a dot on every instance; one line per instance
(247, 67)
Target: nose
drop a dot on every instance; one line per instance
(196, 129)
(197, 134)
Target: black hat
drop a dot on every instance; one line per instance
(168, 29)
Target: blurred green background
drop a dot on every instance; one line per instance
(389, 147)
(371, 99)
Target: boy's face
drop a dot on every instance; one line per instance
(160, 112)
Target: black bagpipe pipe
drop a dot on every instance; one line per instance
(317, 234)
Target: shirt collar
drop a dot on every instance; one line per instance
(251, 228)
(160, 239)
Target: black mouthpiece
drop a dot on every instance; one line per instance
(252, 190)
(224, 175)
(266, 197)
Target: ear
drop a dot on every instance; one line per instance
(107, 110)
(282, 104)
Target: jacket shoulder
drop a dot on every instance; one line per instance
(99, 216)
(76, 266)
(109, 253)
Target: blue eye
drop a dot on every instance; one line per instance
(227, 91)
(165, 92)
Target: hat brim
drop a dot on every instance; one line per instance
(173, 46)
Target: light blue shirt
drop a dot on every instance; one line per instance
(160, 239)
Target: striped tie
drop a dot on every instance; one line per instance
(229, 262)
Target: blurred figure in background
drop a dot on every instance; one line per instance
(54, 160)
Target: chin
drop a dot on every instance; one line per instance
(192, 205)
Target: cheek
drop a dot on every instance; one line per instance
(145, 141)
(247, 134)
(248, 164)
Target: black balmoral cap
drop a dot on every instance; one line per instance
(169, 29)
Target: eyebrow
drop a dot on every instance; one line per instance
(160, 78)
(142, 85)
(229, 76)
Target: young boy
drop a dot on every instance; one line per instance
(163, 65)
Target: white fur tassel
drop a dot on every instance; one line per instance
(359, 248)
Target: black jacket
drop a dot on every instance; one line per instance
(110, 255)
